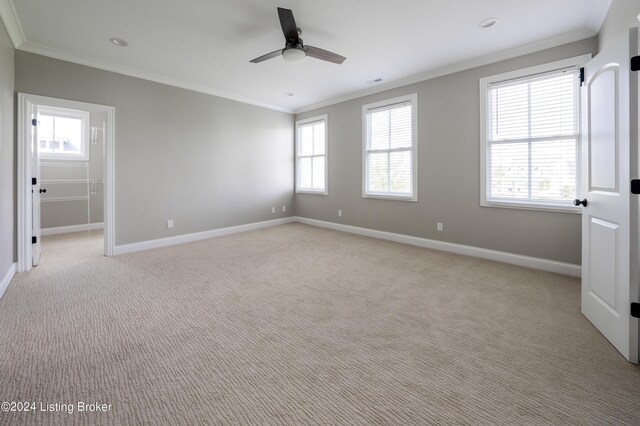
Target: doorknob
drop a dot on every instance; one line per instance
(577, 202)
(43, 190)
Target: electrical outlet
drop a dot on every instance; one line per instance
(440, 227)
(339, 213)
(169, 223)
(273, 209)
(284, 208)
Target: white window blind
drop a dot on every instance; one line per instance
(311, 153)
(389, 149)
(532, 140)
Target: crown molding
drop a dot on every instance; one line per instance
(9, 18)
(461, 66)
(145, 75)
(11, 22)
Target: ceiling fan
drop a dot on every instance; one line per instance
(295, 50)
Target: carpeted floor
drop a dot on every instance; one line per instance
(301, 325)
(70, 249)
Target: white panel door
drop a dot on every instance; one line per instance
(35, 189)
(608, 157)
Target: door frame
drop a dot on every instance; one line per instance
(24, 173)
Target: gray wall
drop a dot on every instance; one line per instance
(448, 171)
(60, 205)
(621, 16)
(203, 161)
(7, 206)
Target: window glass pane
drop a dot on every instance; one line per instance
(379, 130)
(305, 173)
(45, 132)
(400, 127)
(306, 140)
(401, 181)
(509, 170)
(553, 170)
(318, 138)
(378, 172)
(318, 173)
(60, 133)
(68, 131)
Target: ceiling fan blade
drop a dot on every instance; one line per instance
(325, 55)
(289, 27)
(267, 56)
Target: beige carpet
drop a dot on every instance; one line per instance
(300, 325)
(71, 249)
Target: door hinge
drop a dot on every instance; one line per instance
(34, 181)
(635, 186)
(34, 240)
(34, 121)
(635, 63)
(635, 310)
(581, 76)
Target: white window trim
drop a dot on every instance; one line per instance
(413, 98)
(302, 122)
(485, 82)
(84, 117)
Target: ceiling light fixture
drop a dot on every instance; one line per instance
(293, 55)
(488, 23)
(118, 42)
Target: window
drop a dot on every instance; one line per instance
(62, 133)
(531, 137)
(390, 149)
(311, 155)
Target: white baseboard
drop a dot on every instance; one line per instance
(499, 256)
(7, 278)
(186, 238)
(72, 228)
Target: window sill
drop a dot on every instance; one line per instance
(532, 207)
(311, 192)
(390, 197)
(63, 158)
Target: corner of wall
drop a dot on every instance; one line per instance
(6, 280)
(7, 154)
(622, 15)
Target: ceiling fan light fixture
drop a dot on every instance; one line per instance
(293, 55)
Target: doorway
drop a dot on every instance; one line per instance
(65, 176)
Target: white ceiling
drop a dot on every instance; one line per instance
(206, 45)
